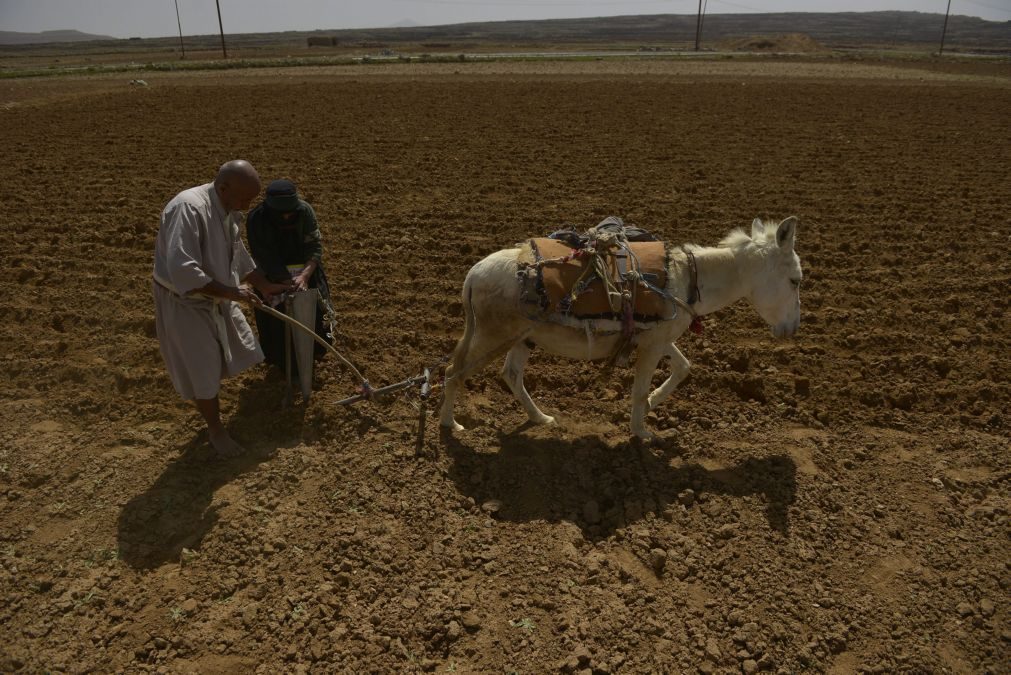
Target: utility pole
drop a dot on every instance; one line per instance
(222, 29)
(698, 26)
(180, 23)
(702, 23)
(945, 29)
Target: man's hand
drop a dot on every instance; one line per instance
(216, 289)
(269, 289)
(246, 295)
(301, 281)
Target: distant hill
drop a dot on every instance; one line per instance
(794, 31)
(404, 23)
(830, 29)
(47, 36)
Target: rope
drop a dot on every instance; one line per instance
(603, 241)
(605, 278)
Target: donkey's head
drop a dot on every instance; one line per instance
(775, 286)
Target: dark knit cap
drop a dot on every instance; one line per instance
(282, 195)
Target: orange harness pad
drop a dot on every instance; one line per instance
(558, 278)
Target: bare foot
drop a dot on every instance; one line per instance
(223, 444)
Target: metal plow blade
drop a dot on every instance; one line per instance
(302, 308)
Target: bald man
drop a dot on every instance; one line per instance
(200, 264)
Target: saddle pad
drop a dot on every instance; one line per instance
(559, 278)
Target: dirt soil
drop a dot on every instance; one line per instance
(833, 503)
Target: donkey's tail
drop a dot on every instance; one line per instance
(463, 344)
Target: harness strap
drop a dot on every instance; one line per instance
(694, 294)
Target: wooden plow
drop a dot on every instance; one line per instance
(301, 306)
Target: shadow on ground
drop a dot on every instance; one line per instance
(175, 511)
(600, 487)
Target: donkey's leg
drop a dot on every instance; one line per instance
(453, 371)
(679, 370)
(484, 346)
(512, 373)
(645, 366)
(448, 401)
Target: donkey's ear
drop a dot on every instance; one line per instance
(786, 232)
(757, 230)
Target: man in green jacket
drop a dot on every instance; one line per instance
(284, 241)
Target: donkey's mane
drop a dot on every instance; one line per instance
(738, 238)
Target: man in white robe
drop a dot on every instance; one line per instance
(200, 263)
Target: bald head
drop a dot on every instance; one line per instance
(237, 184)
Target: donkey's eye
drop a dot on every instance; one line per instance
(795, 283)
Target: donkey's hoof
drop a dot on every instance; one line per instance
(645, 437)
(454, 426)
(543, 419)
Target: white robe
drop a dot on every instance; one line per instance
(202, 341)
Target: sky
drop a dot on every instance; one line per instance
(157, 18)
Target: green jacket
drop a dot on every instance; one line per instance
(276, 242)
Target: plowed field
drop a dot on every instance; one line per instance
(833, 503)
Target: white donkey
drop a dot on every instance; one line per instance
(762, 267)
